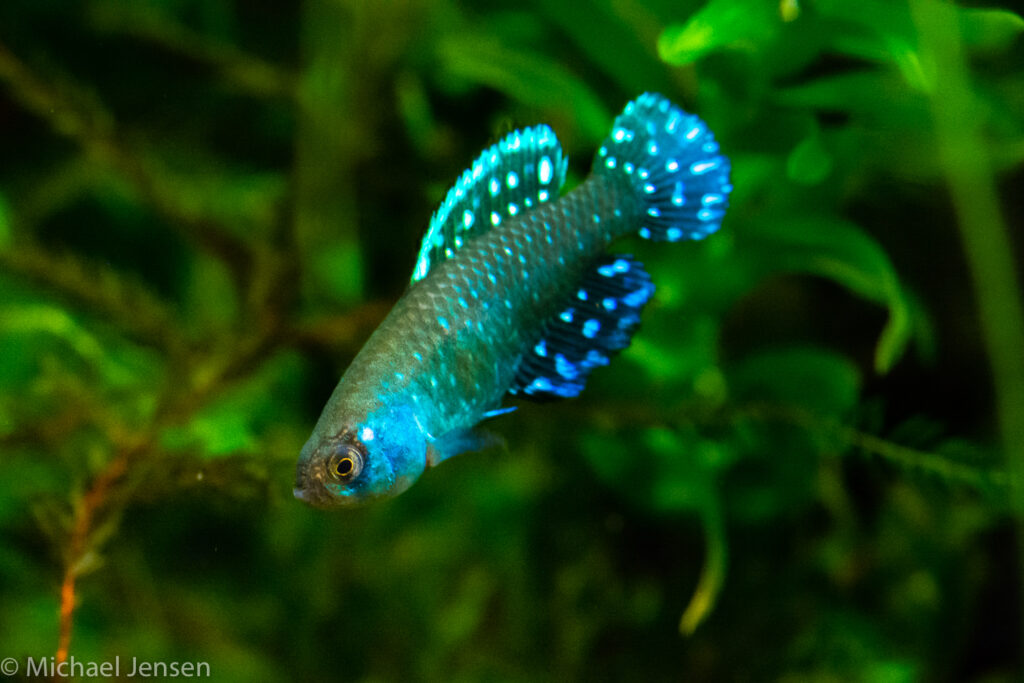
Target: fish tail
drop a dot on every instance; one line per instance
(671, 161)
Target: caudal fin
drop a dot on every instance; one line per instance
(671, 160)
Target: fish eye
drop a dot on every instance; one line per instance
(346, 464)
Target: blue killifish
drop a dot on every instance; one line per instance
(514, 293)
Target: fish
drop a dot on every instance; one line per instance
(514, 293)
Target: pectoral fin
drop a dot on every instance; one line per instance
(461, 441)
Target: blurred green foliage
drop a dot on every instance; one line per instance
(801, 463)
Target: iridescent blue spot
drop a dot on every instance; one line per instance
(606, 270)
(637, 298)
(603, 151)
(619, 135)
(494, 280)
(705, 215)
(597, 218)
(539, 384)
(564, 368)
(678, 198)
(494, 186)
(645, 233)
(650, 188)
(673, 234)
(512, 209)
(643, 173)
(590, 328)
(418, 356)
(512, 179)
(543, 195)
(610, 162)
(693, 132)
(495, 218)
(462, 302)
(621, 265)
(366, 434)
(566, 315)
(541, 349)
(609, 303)
(399, 376)
(443, 322)
(654, 212)
(581, 295)
(595, 357)
(467, 219)
(652, 148)
(712, 198)
(545, 171)
(671, 165)
(628, 168)
(701, 167)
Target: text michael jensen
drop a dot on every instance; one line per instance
(131, 668)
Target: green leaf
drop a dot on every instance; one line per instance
(816, 380)
(607, 23)
(528, 77)
(990, 30)
(745, 24)
(809, 163)
(844, 253)
(668, 471)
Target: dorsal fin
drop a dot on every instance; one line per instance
(598, 319)
(523, 170)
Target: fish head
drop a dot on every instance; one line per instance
(359, 464)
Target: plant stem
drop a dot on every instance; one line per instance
(92, 502)
(962, 147)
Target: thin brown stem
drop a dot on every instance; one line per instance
(87, 511)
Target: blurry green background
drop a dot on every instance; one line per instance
(798, 472)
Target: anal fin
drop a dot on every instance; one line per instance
(598, 319)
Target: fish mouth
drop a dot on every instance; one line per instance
(314, 496)
(309, 488)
